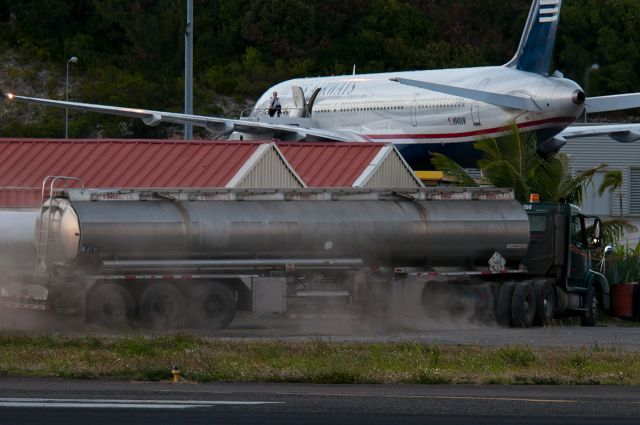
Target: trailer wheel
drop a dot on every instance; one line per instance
(503, 304)
(523, 305)
(109, 304)
(162, 306)
(212, 306)
(545, 302)
(590, 315)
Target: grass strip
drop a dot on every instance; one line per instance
(314, 361)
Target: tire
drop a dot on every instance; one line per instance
(212, 306)
(110, 305)
(590, 315)
(503, 304)
(545, 302)
(162, 306)
(523, 305)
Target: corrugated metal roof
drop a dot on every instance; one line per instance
(24, 163)
(330, 164)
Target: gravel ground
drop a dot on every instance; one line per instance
(613, 333)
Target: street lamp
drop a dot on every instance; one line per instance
(72, 59)
(593, 67)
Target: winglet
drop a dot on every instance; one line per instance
(535, 51)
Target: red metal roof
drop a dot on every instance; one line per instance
(24, 163)
(330, 164)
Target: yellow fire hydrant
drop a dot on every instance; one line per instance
(176, 374)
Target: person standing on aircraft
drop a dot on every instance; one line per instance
(274, 105)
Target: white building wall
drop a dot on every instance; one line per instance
(590, 152)
(390, 171)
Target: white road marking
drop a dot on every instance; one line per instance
(441, 397)
(122, 404)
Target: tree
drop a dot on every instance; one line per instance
(512, 161)
(612, 181)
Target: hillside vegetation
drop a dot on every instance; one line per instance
(131, 51)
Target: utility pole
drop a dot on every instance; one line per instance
(188, 69)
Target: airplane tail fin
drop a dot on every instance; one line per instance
(539, 38)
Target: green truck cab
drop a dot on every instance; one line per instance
(560, 249)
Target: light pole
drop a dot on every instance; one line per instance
(188, 69)
(587, 73)
(72, 59)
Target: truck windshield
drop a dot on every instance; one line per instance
(576, 230)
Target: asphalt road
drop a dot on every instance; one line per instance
(38, 401)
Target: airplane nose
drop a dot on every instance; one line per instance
(578, 97)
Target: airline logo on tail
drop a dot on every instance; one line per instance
(549, 11)
(536, 46)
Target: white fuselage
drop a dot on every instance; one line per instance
(372, 106)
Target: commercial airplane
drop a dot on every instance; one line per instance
(421, 111)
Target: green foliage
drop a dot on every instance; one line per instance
(138, 46)
(624, 265)
(570, 187)
(512, 161)
(319, 361)
(454, 172)
(613, 230)
(516, 356)
(612, 180)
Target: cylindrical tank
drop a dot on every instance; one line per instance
(385, 232)
(17, 238)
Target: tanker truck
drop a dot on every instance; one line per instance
(171, 258)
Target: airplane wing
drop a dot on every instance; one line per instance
(613, 103)
(593, 104)
(218, 126)
(503, 100)
(625, 133)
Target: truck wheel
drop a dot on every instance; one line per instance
(590, 315)
(545, 302)
(162, 306)
(109, 305)
(503, 305)
(213, 306)
(523, 305)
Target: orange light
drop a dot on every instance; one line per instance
(10, 96)
(534, 197)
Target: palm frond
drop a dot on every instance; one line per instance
(611, 180)
(510, 161)
(615, 229)
(575, 187)
(490, 149)
(548, 180)
(451, 169)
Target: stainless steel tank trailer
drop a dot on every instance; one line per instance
(170, 258)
